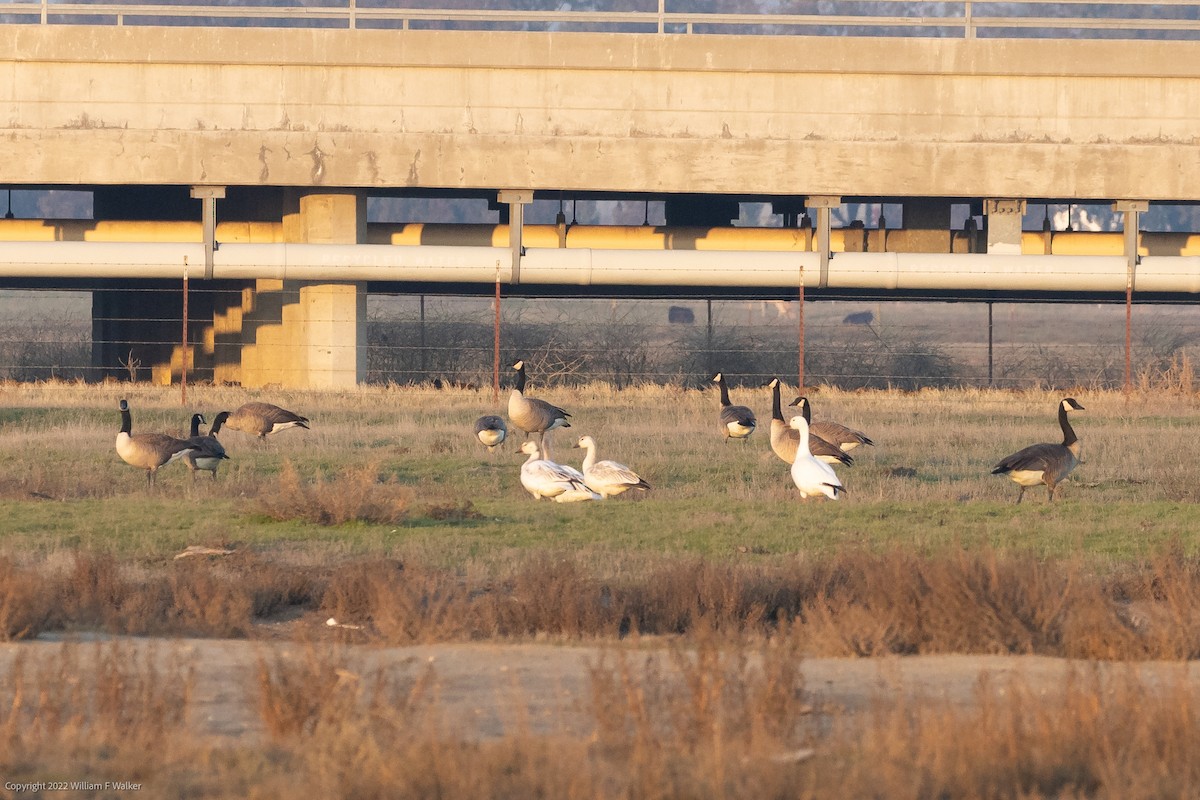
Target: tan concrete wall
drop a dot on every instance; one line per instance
(645, 113)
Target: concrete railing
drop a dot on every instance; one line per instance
(1055, 19)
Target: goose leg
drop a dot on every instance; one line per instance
(1020, 495)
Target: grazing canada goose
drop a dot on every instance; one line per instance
(261, 419)
(531, 414)
(607, 478)
(543, 478)
(1045, 463)
(737, 422)
(812, 477)
(147, 451)
(210, 453)
(490, 430)
(834, 433)
(785, 439)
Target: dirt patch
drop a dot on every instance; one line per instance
(485, 690)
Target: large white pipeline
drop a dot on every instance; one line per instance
(590, 267)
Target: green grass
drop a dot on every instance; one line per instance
(65, 488)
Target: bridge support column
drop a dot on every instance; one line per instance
(824, 204)
(1003, 219)
(306, 334)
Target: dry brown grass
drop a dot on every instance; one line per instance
(356, 495)
(1102, 735)
(853, 603)
(714, 720)
(102, 715)
(25, 608)
(709, 718)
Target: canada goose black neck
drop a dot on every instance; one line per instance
(805, 409)
(126, 419)
(218, 421)
(776, 404)
(197, 421)
(724, 390)
(521, 377)
(1069, 437)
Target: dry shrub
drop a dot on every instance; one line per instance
(1160, 602)
(295, 693)
(205, 602)
(112, 704)
(711, 720)
(1104, 734)
(346, 733)
(551, 595)
(356, 496)
(852, 603)
(194, 597)
(900, 602)
(463, 511)
(26, 609)
(691, 593)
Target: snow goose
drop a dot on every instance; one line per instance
(812, 477)
(543, 478)
(607, 478)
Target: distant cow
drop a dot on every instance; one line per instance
(680, 315)
(859, 318)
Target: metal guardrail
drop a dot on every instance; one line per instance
(1055, 19)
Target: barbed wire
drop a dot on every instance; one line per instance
(619, 341)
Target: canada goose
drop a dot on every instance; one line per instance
(834, 433)
(490, 430)
(737, 422)
(531, 414)
(261, 419)
(785, 439)
(1045, 463)
(812, 477)
(607, 478)
(543, 478)
(210, 453)
(147, 451)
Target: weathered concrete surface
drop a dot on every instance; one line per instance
(604, 112)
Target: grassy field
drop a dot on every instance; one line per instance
(701, 601)
(926, 484)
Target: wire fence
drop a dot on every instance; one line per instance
(449, 341)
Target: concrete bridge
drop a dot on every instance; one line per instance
(294, 128)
